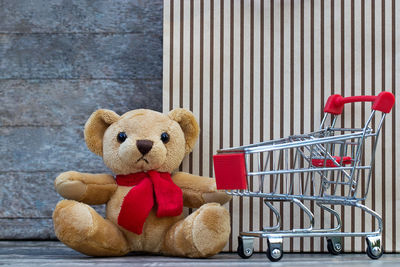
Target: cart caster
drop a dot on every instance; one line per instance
(334, 245)
(245, 247)
(275, 251)
(374, 247)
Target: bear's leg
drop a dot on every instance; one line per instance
(202, 234)
(80, 227)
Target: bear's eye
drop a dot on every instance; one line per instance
(121, 137)
(165, 138)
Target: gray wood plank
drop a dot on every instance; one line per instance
(26, 16)
(53, 148)
(27, 229)
(29, 196)
(73, 56)
(70, 102)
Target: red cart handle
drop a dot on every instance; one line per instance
(382, 102)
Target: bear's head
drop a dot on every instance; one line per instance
(141, 140)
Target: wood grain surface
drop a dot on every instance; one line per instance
(59, 62)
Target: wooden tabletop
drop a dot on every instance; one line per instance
(52, 253)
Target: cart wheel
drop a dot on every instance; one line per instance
(275, 255)
(334, 246)
(245, 247)
(374, 247)
(275, 251)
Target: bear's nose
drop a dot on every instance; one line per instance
(144, 146)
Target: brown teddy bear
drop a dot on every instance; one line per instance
(144, 202)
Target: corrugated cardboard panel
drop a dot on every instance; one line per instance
(258, 70)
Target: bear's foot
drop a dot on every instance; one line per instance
(202, 234)
(80, 227)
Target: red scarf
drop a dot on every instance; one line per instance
(139, 201)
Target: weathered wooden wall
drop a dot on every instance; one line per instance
(59, 61)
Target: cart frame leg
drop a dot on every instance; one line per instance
(277, 215)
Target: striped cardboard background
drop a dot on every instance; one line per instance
(259, 70)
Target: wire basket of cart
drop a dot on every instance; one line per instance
(325, 167)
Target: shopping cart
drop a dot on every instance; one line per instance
(326, 167)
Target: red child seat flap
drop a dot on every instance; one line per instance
(230, 171)
(330, 163)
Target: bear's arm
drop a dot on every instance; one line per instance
(92, 189)
(198, 190)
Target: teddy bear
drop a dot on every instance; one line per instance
(144, 201)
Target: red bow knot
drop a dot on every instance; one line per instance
(139, 201)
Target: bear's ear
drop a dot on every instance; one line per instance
(95, 127)
(189, 126)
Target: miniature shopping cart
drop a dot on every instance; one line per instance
(326, 167)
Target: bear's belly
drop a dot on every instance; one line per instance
(154, 228)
